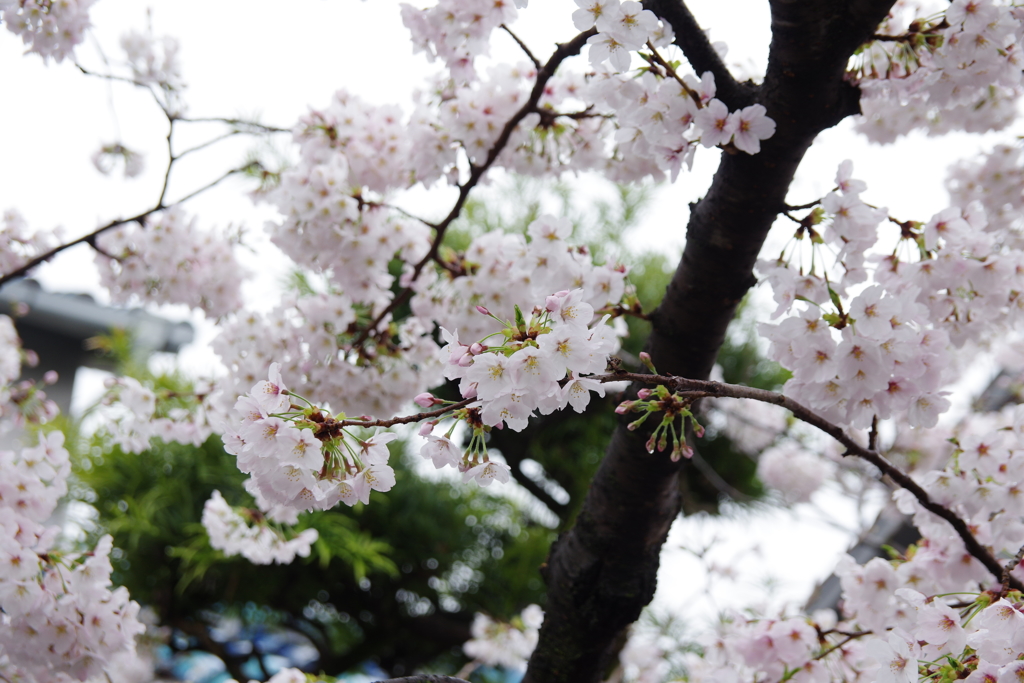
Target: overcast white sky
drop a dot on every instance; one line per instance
(275, 58)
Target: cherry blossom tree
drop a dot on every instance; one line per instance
(877, 316)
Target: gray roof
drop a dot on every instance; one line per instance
(78, 316)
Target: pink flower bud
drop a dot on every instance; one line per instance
(624, 407)
(483, 310)
(643, 394)
(470, 391)
(427, 427)
(650, 445)
(424, 400)
(698, 430)
(50, 377)
(552, 303)
(465, 361)
(477, 348)
(681, 450)
(645, 359)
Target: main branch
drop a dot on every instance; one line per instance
(701, 388)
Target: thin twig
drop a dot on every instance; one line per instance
(521, 44)
(100, 250)
(211, 141)
(170, 162)
(406, 419)
(130, 81)
(849, 637)
(234, 122)
(89, 238)
(660, 61)
(696, 388)
(808, 205)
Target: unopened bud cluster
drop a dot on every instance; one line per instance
(675, 410)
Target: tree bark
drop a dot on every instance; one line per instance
(602, 572)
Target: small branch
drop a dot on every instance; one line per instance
(699, 52)
(130, 81)
(111, 77)
(808, 205)
(91, 237)
(407, 418)
(209, 142)
(544, 74)
(873, 434)
(700, 388)
(620, 310)
(521, 44)
(362, 202)
(170, 162)
(660, 61)
(99, 250)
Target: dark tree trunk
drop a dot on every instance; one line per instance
(602, 572)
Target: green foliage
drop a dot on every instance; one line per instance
(420, 553)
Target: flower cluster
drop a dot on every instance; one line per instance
(525, 371)
(10, 352)
(961, 73)
(500, 270)
(312, 340)
(458, 31)
(254, 538)
(59, 616)
(19, 244)
(50, 28)
(22, 402)
(885, 351)
(508, 645)
(661, 120)
(153, 61)
(299, 457)
(134, 414)
(170, 261)
(110, 155)
(621, 29)
(997, 181)
(793, 471)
